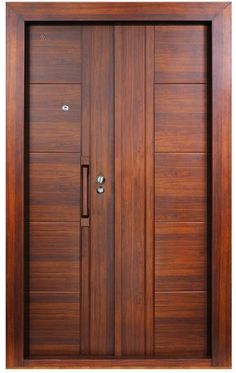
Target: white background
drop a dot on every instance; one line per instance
(2, 185)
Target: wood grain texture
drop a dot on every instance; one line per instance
(50, 128)
(53, 325)
(130, 119)
(181, 324)
(153, 363)
(54, 257)
(180, 53)
(102, 205)
(180, 187)
(149, 189)
(180, 256)
(54, 53)
(54, 187)
(181, 121)
(15, 191)
(190, 11)
(221, 189)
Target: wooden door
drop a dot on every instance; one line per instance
(118, 194)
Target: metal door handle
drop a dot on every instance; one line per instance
(85, 191)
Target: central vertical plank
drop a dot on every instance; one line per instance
(102, 205)
(130, 188)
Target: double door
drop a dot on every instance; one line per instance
(117, 221)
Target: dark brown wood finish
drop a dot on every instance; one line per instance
(221, 188)
(58, 331)
(102, 205)
(47, 57)
(51, 128)
(180, 53)
(129, 83)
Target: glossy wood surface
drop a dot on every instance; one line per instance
(180, 118)
(180, 53)
(181, 256)
(101, 68)
(52, 129)
(61, 264)
(129, 92)
(181, 324)
(54, 54)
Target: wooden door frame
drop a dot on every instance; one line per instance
(218, 15)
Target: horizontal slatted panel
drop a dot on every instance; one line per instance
(181, 324)
(180, 118)
(180, 187)
(180, 256)
(54, 53)
(54, 257)
(54, 187)
(53, 324)
(51, 128)
(180, 53)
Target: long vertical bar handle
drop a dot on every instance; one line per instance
(85, 190)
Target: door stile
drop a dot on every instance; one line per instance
(149, 155)
(85, 161)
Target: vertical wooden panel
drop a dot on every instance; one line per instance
(85, 160)
(15, 190)
(130, 120)
(221, 189)
(149, 268)
(102, 205)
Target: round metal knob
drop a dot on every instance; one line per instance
(100, 190)
(65, 107)
(100, 179)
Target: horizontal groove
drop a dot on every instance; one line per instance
(51, 291)
(35, 221)
(53, 222)
(203, 83)
(52, 152)
(180, 291)
(44, 83)
(180, 221)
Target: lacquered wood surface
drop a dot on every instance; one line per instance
(63, 266)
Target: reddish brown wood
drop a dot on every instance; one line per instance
(180, 187)
(54, 322)
(129, 93)
(221, 189)
(54, 257)
(50, 128)
(181, 324)
(54, 193)
(102, 205)
(50, 50)
(15, 190)
(149, 188)
(221, 200)
(181, 256)
(192, 11)
(120, 363)
(181, 53)
(181, 118)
